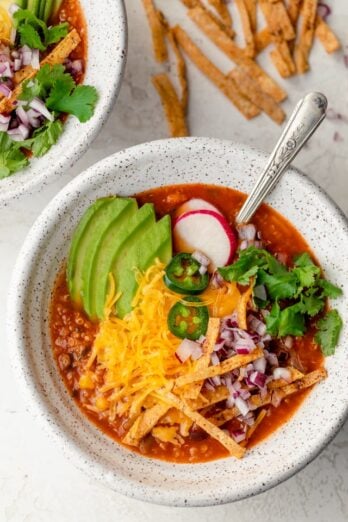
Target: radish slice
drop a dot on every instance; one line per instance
(195, 204)
(209, 233)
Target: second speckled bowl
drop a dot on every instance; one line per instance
(133, 170)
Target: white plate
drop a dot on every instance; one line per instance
(106, 56)
(135, 169)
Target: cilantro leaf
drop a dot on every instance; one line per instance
(30, 36)
(12, 158)
(280, 286)
(291, 322)
(30, 90)
(56, 33)
(305, 270)
(329, 290)
(45, 137)
(272, 320)
(80, 102)
(311, 304)
(329, 328)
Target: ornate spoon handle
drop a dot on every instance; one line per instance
(305, 119)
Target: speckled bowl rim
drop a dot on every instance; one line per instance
(34, 401)
(43, 170)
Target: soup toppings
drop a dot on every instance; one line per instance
(42, 64)
(190, 355)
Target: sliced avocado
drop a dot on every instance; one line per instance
(79, 232)
(86, 240)
(34, 7)
(56, 6)
(116, 242)
(119, 210)
(156, 242)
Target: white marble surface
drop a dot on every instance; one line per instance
(37, 484)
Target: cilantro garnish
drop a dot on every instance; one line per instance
(329, 328)
(43, 138)
(294, 294)
(11, 157)
(34, 33)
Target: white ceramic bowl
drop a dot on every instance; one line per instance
(107, 47)
(135, 169)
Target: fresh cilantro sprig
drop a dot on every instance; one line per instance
(60, 93)
(293, 294)
(12, 158)
(43, 138)
(34, 32)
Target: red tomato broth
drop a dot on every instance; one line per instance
(78, 331)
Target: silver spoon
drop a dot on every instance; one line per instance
(307, 116)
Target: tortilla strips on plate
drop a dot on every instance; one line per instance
(234, 449)
(327, 37)
(221, 8)
(226, 85)
(256, 401)
(262, 40)
(157, 31)
(171, 104)
(277, 19)
(282, 59)
(190, 4)
(251, 6)
(144, 423)
(304, 45)
(237, 55)
(58, 55)
(253, 428)
(181, 69)
(247, 30)
(236, 361)
(203, 362)
(209, 398)
(279, 383)
(294, 8)
(251, 89)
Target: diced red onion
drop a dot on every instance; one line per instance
(35, 59)
(201, 258)
(282, 373)
(6, 91)
(247, 232)
(214, 359)
(238, 436)
(203, 270)
(256, 325)
(217, 280)
(323, 10)
(3, 127)
(209, 386)
(26, 54)
(289, 341)
(76, 66)
(13, 8)
(230, 402)
(20, 133)
(201, 339)
(276, 399)
(187, 349)
(243, 245)
(244, 394)
(22, 115)
(242, 405)
(17, 64)
(4, 119)
(40, 107)
(34, 118)
(272, 358)
(242, 350)
(226, 334)
(260, 365)
(258, 378)
(5, 70)
(216, 380)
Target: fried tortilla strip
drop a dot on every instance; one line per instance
(327, 37)
(304, 45)
(256, 424)
(222, 9)
(157, 31)
(174, 416)
(251, 89)
(279, 383)
(243, 302)
(282, 59)
(144, 423)
(234, 449)
(257, 402)
(172, 106)
(197, 3)
(181, 69)
(262, 40)
(277, 19)
(203, 362)
(58, 55)
(209, 398)
(247, 30)
(237, 55)
(251, 6)
(226, 85)
(236, 361)
(294, 8)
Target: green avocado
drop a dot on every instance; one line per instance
(115, 244)
(86, 239)
(155, 242)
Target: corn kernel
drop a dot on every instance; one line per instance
(86, 381)
(101, 403)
